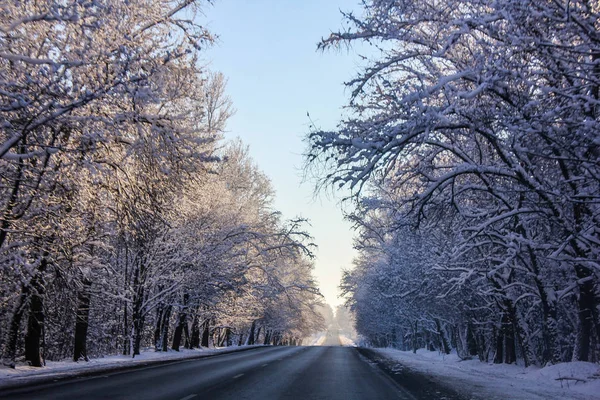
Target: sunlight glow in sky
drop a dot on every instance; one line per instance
(267, 50)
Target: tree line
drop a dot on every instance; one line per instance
(126, 220)
(472, 147)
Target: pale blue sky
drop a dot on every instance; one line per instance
(267, 50)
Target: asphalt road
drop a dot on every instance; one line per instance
(326, 372)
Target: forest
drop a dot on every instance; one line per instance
(470, 149)
(127, 221)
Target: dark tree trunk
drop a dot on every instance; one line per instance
(138, 325)
(586, 303)
(471, 342)
(252, 329)
(443, 339)
(181, 323)
(520, 336)
(137, 314)
(205, 333)
(126, 333)
(82, 322)
(195, 339)
(126, 327)
(35, 322)
(10, 349)
(510, 354)
(551, 348)
(164, 332)
(455, 340)
(257, 334)
(276, 339)
(483, 348)
(267, 337)
(414, 337)
(221, 337)
(499, 356)
(186, 335)
(158, 326)
(228, 341)
(505, 346)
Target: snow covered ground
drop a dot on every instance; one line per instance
(317, 339)
(23, 374)
(346, 341)
(576, 380)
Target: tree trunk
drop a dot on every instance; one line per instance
(414, 337)
(257, 334)
(137, 314)
(228, 341)
(126, 327)
(551, 345)
(252, 329)
(471, 341)
(186, 335)
(195, 337)
(505, 347)
(158, 326)
(586, 303)
(126, 333)
(510, 354)
(179, 328)
(82, 322)
(445, 345)
(10, 349)
(205, 333)
(126, 342)
(138, 325)
(164, 332)
(499, 356)
(35, 322)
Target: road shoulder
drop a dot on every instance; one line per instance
(11, 379)
(418, 384)
(475, 380)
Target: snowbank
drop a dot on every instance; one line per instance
(346, 341)
(55, 370)
(575, 380)
(317, 339)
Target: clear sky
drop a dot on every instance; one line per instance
(267, 50)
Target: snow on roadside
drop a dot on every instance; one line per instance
(346, 341)
(317, 339)
(575, 380)
(61, 369)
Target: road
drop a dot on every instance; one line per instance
(325, 372)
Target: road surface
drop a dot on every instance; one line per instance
(320, 372)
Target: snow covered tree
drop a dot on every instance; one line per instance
(484, 114)
(124, 224)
